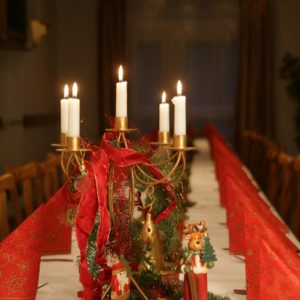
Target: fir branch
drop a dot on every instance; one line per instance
(92, 252)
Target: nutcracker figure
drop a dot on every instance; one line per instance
(120, 279)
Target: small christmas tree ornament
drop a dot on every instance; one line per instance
(208, 253)
(198, 256)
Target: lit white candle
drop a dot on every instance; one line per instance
(164, 118)
(64, 111)
(121, 96)
(180, 111)
(74, 113)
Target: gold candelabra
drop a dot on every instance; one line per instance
(73, 153)
(139, 173)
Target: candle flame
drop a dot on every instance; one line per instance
(179, 87)
(74, 90)
(163, 97)
(121, 73)
(66, 91)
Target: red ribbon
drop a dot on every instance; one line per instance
(124, 157)
(93, 200)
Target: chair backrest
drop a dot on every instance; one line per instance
(286, 192)
(8, 192)
(61, 175)
(294, 220)
(49, 177)
(273, 180)
(28, 176)
(246, 147)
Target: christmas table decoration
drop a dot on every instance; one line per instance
(143, 227)
(199, 256)
(128, 199)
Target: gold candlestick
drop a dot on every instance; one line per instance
(121, 123)
(72, 156)
(179, 141)
(63, 141)
(164, 137)
(73, 144)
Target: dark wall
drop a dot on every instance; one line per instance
(31, 82)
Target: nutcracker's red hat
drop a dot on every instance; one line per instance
(118, 267)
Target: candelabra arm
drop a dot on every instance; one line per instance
(183, 168)
(166, 178)
(160, 163)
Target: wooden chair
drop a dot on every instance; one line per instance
(61, 175)
(254, 153)
(286, 188)
(49, 176)
(294, 220)
(246, 147)
(266, 144)
(8, 192)
(273, 181)
(28, 178)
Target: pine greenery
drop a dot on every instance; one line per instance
(92, 251)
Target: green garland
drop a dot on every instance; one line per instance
(92, 251)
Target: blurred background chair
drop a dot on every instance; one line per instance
(8, 200)
(29, 185)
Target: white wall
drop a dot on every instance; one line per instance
(286, 39)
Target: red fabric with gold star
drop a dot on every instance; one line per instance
(272, 265)
(57, 233)
(235, 220)
(20, 256)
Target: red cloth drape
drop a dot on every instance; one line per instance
(20, 256)
(272, 263)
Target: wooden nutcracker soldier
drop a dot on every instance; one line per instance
(120, 279)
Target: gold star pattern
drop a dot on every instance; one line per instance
(24, 267)
(14, 283)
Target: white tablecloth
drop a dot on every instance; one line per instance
(228, 272)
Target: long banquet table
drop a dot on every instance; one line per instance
(61, 277)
